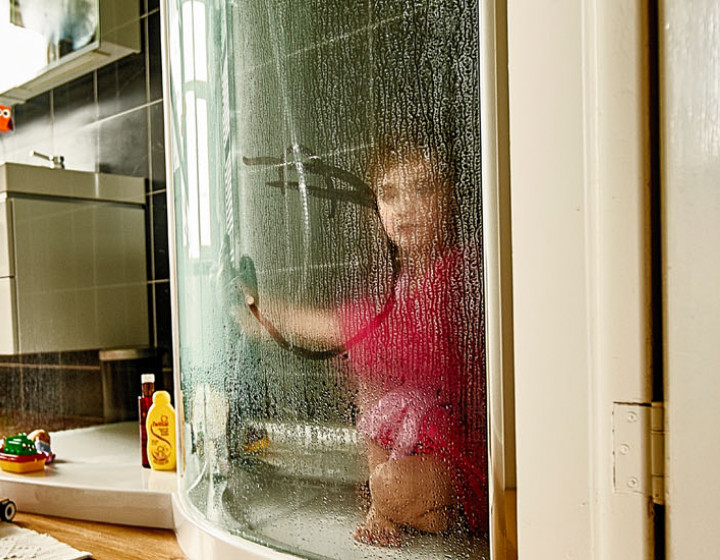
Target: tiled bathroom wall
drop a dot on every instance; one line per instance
(109, 121)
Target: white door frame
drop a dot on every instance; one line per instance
(579, 182)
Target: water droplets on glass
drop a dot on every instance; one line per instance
(327, 189)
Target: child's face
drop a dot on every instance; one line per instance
(412, 205)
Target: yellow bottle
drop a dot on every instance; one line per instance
(160, 427)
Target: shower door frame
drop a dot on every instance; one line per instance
(497, 274)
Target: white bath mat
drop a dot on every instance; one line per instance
(17, 543)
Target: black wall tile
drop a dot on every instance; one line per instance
(74, 103)
(10, 385)
(124, 144)
(157, 147)
(78, 145)
(122, 85)
(154, 57)
(44, 358)
(151, 313)
(41, 390)
(33, 127)
(82, 393)
(10, 359)
(35, 111)
(163, 321)
(81, 357)
(160, 236)
(149, 242)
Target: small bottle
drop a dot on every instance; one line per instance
(161, 433)
(144, 404)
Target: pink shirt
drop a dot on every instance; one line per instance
(422, 373)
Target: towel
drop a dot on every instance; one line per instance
(17, 543)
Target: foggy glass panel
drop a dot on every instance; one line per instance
(41, 32)
(326, 169)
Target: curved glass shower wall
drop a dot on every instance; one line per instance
(326, 190)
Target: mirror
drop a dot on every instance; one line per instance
(42, 32)
(55, 41)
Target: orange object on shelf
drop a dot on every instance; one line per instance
(22, 463)
(6, 122)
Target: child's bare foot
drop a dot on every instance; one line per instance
(376, 530)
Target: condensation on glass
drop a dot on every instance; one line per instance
(326, 172)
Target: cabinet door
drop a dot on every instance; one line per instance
(690, 124)
(8, 318)
(6, 253)
(80, 275)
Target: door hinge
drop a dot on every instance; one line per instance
(639, 449)
(657, 452)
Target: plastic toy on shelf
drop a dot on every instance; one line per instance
(256, 441)
(42, 443)
(19, 454)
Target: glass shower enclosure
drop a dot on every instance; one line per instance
(326, 214)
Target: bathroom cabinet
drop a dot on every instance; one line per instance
(72, 260)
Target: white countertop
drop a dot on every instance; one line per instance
(97, 476)
(36, 180)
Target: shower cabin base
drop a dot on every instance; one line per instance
(96, 476)
(321, 535)
(282, 512)
(320, 518)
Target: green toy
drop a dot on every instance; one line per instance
(19, 445)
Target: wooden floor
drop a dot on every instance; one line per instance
(120, 542)
(104, 541)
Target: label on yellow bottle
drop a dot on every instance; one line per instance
(160, 425)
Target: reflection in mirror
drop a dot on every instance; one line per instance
(329, 280)
(40, 32)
